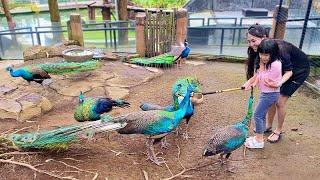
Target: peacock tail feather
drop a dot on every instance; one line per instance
(69, 67)
(60, 138)
(163, 60)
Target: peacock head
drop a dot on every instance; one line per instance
(180, 86)
(186, 43)
(10, 68)
(81, 97)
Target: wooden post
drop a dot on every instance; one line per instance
(279, 28)
(140, 36)
(106, 14)
(92, 13)
(75, 29)
(181, 26)
(123, 16)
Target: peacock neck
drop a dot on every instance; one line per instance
(20, 73)
(246, 120)
(183, 107)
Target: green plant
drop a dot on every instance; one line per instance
(160, 3)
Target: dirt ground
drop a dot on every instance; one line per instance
(296, 156)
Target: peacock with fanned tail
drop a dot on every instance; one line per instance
(229, 138)
(179, 90)
(91, 108)
(40, 72)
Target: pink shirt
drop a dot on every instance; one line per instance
(274, 73)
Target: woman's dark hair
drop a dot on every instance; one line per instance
(260, 32)
(268, 46)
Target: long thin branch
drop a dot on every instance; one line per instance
(74, 167)
(35, 169)
(18, 153)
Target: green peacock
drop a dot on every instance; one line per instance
(163, 60)
(91, 108)
(40, 72)
(155, 124)
(179, 90)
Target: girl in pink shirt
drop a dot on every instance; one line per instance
(268, 69)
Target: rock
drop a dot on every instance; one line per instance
(35, 52)
(151, 69)
(294, 129)
(117, 92)
(5, 89)
(29, 111)
(195, 63)
(300, 133)
(9, 109)
(97, 92)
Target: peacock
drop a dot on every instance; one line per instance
(155, 124)
(229, 138)
(163, 60)
(185, 53)
(57, 139)
(179, 90)
(40, 72)
(90, 109)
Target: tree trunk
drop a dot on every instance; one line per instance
(123, 16)
(55, 20)
(54, 11)
(11, 23)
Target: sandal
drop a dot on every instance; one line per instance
(252, 143)
(274, 141)
(268, 130)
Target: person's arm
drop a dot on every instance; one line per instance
(272, 80)
(249, 83)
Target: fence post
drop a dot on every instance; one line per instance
(280, 18)
(305, 24)
(140, 36)
(92, 13)
(75, 29)
(181, 26)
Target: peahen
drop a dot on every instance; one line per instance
(40, 72)
(179, 90)
(155, 124)
(229, 138)
(90, 109)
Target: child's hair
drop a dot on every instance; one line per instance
(268, 46)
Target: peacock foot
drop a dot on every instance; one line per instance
(177, 131)
(157, 160)
(165, 145)
(186, 136)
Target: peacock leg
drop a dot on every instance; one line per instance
(227, 164)
(186, 135)
(164, 143)
(151, 155)
(221, 159)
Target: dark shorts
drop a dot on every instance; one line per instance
(297, 79)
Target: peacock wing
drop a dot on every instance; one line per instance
(38, 73)
(226, 139)
(138, 122)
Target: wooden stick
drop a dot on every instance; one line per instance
(35, 169)
(225, 90)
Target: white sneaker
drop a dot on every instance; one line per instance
(252, 143)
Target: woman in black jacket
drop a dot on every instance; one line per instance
(295, 70)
